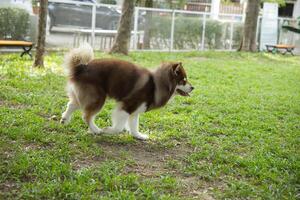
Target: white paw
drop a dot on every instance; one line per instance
(140, 136)
(64, 120)
(110, 130)
(95, 131)
(127, 127)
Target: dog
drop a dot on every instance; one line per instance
(136, 89)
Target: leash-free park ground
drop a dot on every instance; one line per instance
(236, 137)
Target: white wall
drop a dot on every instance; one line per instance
(215, 8)
(296, 12)
(25, 4)
(119, 2)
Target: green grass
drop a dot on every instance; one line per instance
(236, 137)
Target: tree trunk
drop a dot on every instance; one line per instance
(123, 35)
(40, 50)
(147, 31)
(250, 26)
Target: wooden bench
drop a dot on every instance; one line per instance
(276, 48)
(26, 46)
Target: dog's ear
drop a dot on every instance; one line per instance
(176, 68)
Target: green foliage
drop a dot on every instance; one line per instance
(114, 2)
(280, 2)
(14, 23)
(236, 137)
(34, 2)
(188, 32)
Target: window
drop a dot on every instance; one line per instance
(286, 11)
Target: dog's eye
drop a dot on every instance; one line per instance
(182, 82)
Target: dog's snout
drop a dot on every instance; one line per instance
(192, 87)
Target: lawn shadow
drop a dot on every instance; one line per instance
(153, 159)
(147, 158)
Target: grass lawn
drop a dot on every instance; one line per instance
(236, 137)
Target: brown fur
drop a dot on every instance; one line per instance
(135, 89)
(118, 79)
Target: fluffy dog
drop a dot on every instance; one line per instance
(135, 89)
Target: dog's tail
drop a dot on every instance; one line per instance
(78, 57)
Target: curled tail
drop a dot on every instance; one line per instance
(78, 57)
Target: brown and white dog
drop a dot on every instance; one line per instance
(136, 89)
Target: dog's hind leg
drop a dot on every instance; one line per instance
(89, 113)
(71, 107)
(119, 119)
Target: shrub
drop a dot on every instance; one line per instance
(237, 35)
(188, 32)
(114, 2)
(14, 23)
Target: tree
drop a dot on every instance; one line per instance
(40, 50)
(249, 35)
(147, 32)
(123, 35)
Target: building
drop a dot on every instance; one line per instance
(291, 9)
(25, 4)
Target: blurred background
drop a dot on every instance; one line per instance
(170, 25)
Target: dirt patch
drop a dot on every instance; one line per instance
(34, 146)
(151, 160)
(87, 162)
(12, 105)
(8, 189)
(196, 188)
(148, 159)
(49, 117)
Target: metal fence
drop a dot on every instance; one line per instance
(174, 30)
(152, 29)
(288, 37)
(70, 23)
(283, 36)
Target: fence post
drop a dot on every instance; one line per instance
(231, 35)
(93, 24)
(203, 32)
(172, 30)
(280, 21)
(135, 37)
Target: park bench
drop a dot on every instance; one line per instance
(26, 46)
(276, 48)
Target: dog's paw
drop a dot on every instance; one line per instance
(127, 127)
(64, 120)
(110, 130)
(140, 136)
(95, 131)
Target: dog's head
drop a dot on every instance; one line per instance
(178, 74)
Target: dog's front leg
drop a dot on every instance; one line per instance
(133, 123)
(119, 119)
